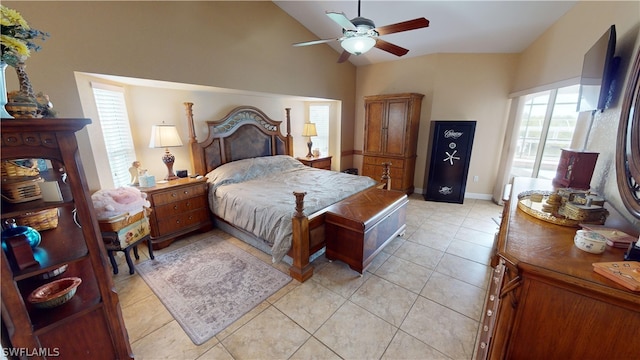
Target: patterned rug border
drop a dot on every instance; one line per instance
(194, 325)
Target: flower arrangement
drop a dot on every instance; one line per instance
(16, 39)
(17, 42)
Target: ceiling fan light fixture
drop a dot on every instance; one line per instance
(358, 45)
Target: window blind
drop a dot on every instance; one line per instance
(319, 114)
(114, 121)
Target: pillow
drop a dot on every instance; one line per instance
(249, 169)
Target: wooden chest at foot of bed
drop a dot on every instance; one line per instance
(359, 227)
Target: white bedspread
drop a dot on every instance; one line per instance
(257, 195)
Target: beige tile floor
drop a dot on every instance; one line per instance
(421, 298)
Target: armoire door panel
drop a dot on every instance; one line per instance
(374, 127)
(396, 128)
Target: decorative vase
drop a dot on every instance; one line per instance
(25, 84)
(31, 235)
(3, 92)
(23, 104)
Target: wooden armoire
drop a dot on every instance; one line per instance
(391, 135)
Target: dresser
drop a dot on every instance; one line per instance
(544, 299)
(90, 324)
(391, 136)
(178, 207)
(317, 162)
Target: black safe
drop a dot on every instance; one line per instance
(451, 143)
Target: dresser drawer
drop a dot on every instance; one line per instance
(374, 160)
(172, 209)
(180, 221)
(174, 195)
(490, 311)
(375, 172)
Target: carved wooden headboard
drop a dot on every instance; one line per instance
(245, 132)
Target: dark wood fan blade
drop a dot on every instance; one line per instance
(344, 56)
(342, 20)
(314, 42)
(390, 48)
(403, 26)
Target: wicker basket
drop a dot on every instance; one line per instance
(13, 169)
(21, 189)
(41, 220)
(118, 222)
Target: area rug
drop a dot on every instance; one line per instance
(209, 284)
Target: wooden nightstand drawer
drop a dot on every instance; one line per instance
(167, 210)
(323, 163)
(179, 207)
(180, 221)
(172, 196)
(318, 163)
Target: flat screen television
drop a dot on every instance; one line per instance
(598, 73)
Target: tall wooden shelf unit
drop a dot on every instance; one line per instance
(90, 325)
(391, 136)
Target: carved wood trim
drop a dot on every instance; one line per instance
(628, 143)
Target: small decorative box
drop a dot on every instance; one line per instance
(147, 180)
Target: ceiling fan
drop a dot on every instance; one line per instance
(360, 34)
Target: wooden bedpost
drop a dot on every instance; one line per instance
(300, 270)
(289, 137)
(386, 178)
(195, 151)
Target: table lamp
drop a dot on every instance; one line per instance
(309, 131)
(166, 136)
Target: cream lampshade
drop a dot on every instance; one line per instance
(166, 136)
(309, 130)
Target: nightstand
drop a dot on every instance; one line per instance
(179, 207)
(317, 162)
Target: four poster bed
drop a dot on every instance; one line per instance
(260, 194)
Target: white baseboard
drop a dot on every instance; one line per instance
(478, 196)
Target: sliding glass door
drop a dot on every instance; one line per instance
(547, 123)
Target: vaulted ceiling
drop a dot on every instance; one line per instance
(455, 26)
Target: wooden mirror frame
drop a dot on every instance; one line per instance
(628, 143)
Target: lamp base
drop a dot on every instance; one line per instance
(309, 145)
(168, 160)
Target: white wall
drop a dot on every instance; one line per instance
(240, 45)
(152, 102)
(456, 87)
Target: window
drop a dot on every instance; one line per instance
(547, 124)
(319, 114)
(112, 113)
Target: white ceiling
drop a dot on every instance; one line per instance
(455, 26)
